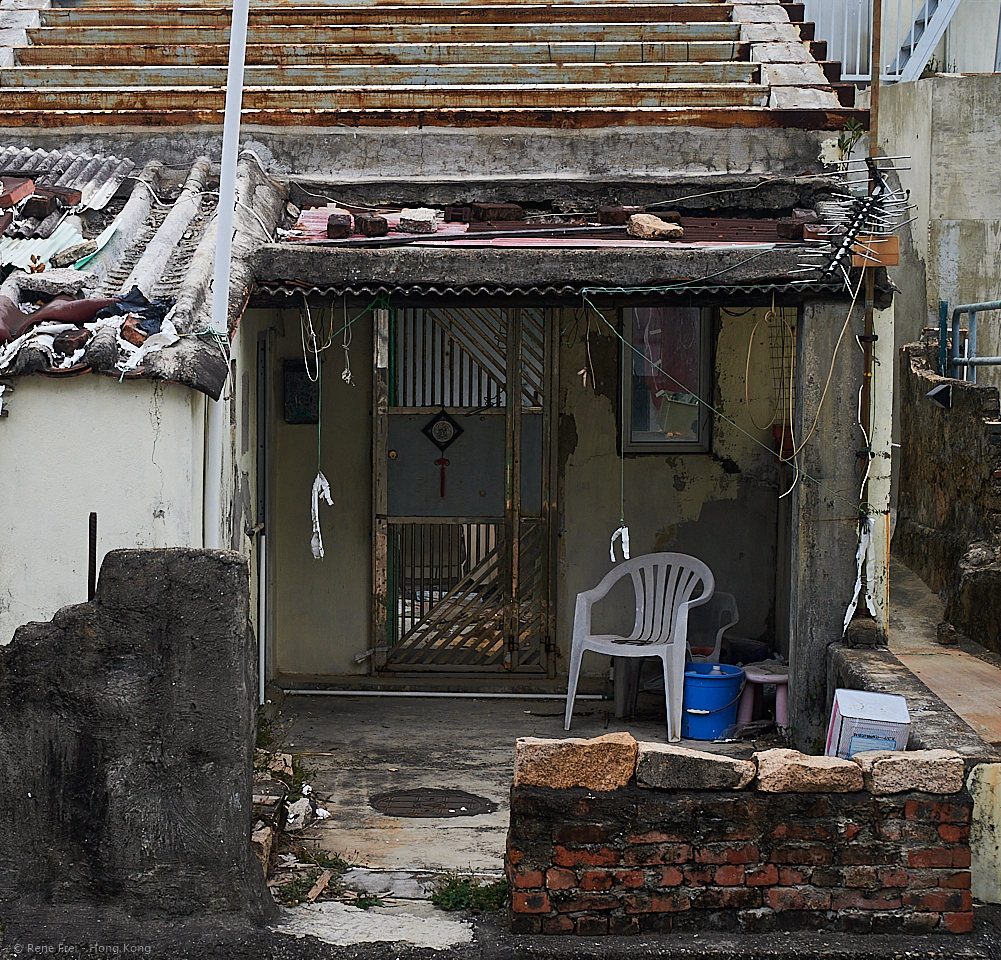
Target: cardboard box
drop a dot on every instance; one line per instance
(863, 721)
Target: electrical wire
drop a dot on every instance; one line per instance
(855, 506)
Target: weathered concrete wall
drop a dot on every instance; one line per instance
(439, 153)
(131, 451)
(126, 743)
(825, 516)
(951, 129)
(949, 505)
(720, 506)
(322, 608)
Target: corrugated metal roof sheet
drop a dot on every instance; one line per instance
(97, 178)
(20, 251)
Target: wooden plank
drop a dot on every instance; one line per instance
(337, 75)
(397, 97)
(219, 17)
(394, 33)
(311, 54)
(588, 117)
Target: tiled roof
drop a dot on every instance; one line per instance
(578, 63)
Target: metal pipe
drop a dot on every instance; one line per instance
(971, 361)
(943, 338)
(216, 433)
(441, 694)
(92, 557)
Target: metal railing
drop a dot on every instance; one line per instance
(952, 363)
(911, 31)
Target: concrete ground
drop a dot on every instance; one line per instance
(363, 746)
(966, 676)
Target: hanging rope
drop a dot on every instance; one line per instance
(622, 534)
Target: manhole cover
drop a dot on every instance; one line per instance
(430, 802)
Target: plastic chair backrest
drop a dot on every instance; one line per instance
(662, 582)
(708, 623)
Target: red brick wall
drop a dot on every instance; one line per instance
(641, 860)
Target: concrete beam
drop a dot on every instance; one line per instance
(825, 515)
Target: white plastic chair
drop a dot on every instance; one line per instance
(707, 625)
(665, 587)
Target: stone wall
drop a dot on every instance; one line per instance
(609, 836)
(949, 499)
(126, 739)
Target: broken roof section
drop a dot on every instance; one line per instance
(156, 254)
(576, 64)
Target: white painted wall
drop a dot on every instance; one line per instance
(131, 451)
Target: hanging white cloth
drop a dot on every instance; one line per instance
(320, 489)
(864, 557)
(621, 534)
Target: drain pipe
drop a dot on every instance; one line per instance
(442, 694)
(216, 431)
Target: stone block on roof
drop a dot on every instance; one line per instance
(769, 33)
(759, 13)
(781, 53)
(802, 98)
(793, 75)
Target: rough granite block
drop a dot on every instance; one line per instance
(671, 767)
(789, 771)
(605, 763)
(894, 771)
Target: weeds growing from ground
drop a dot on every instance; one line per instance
(458, 891)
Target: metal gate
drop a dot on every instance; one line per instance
(462, 468)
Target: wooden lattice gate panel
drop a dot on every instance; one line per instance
(462, 556)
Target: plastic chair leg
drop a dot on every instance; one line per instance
(576, 654)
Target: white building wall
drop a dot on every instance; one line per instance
(130, 451)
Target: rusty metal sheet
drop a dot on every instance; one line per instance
(305, 54)
(570, 118)
(168, 16)
(400, 97)
(336, 75)
(392, 33)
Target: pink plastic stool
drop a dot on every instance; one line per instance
(757, 675)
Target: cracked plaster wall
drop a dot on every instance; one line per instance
(721, 506)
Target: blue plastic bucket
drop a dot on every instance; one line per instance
(710, 703)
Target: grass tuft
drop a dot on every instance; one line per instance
(457, 891)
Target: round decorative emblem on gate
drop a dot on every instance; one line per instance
(442, 430)
(431, 802)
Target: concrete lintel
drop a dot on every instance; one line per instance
(781, 53)
(759, 13)
(793, 75)
(801, 98)
(13, 37)
(518, 267)
(769, 33)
